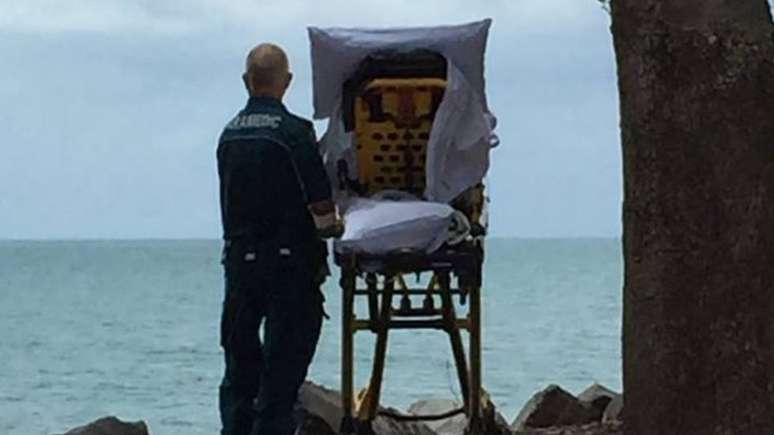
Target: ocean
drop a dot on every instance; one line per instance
(130, 328)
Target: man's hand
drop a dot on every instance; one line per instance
(335, 230)
(325, 220)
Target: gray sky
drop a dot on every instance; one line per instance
(110, 109)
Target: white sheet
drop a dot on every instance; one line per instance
(382, 226)
(462, 134)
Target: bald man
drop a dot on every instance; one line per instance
(275, 205)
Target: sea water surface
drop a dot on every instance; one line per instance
(130, 328)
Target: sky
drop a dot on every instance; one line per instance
(110, 109)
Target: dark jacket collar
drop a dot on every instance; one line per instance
(263, 101)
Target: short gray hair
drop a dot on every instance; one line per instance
(266, 65)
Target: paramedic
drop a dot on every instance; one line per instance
(275, 206)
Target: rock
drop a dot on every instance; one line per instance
(614, 410)
(311, 424)
(502, 423)
(110, 426)
(389, 426)
(494, 424)
(553, 407)
(314, 400)
(321, 402)
(597, 397)
(589, 429)
(450, 426)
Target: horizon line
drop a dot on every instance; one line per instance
(202, 239)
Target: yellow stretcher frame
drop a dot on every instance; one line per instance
(380, 279)
(392, 122)
(391, 145)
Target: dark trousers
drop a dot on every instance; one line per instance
(262, 377)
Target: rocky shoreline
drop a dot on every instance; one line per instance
(553, 411)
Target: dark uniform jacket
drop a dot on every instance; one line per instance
(273, 262)
(270, 171)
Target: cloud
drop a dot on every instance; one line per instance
(197, 16)
(88, 16)
(117, 138)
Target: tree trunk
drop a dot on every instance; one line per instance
(696, 81)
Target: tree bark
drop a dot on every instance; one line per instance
(696, 81)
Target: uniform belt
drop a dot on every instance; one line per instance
(245, 241)
(247, 237)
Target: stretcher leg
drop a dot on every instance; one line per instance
(380, 289)
(475, 357)
(370, 403)
(348, 282)
(455, 337)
